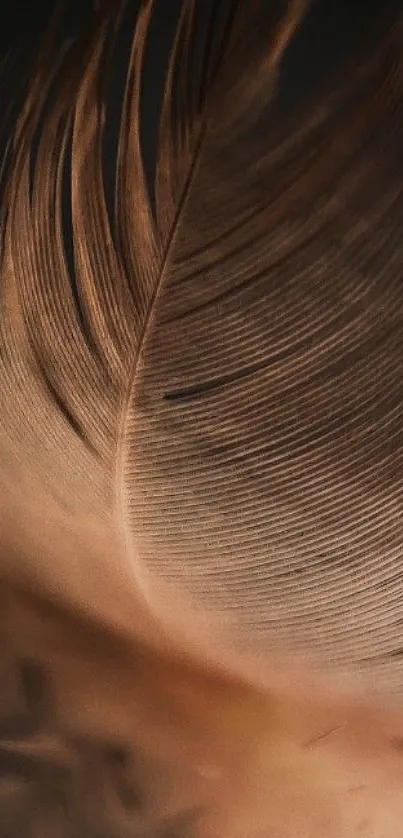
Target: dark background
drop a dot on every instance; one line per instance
(331, 33)
(331, 30)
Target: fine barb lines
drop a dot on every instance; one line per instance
(201, 414)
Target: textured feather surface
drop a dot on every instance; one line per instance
(200, 423)
(221, 358)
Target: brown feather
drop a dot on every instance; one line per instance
(200, 437)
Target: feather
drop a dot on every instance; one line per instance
(200, 426)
